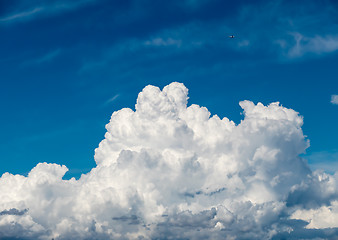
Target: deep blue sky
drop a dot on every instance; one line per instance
(65, 66)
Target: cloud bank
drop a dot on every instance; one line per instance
(172, 171)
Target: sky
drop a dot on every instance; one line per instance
(67, 68)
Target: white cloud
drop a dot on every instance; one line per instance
(163, 42)
(243, 43)
(316, 45)
(48, 57)
(323, 188)
(44, 58)
(323, 217)
(46, 8)
(168, 170)
(334, 99)
(112, 99)
(20, 15)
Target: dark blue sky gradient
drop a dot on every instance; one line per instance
(65, 66)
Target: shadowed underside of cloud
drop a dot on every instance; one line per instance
(172, 171)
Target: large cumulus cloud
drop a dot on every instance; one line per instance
(172, 171)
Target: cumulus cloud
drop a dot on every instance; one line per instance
(323, 217)
(167, 170)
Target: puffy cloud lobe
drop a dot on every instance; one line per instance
(168, 170)
(323, 217)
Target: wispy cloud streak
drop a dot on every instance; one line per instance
(21, 15)
(44, 8)
(316, 45)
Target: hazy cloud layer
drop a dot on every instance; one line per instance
(172, 171)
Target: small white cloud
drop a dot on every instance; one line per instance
(112, 99)
(334, 99)
(316, 45)
(244, 43)
(164, 42)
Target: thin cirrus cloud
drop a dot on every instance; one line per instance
(167, 170)
(164, 42)
(31, 12)
(21, 15)
(48, 57)
(111, 100)
(287, 37)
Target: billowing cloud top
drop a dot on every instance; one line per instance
(172, 171)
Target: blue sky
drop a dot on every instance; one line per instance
(67, 65)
